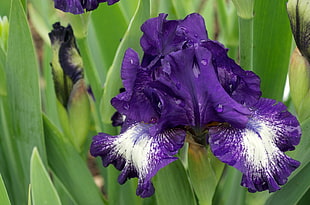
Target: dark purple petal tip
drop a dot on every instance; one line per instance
(78, 6)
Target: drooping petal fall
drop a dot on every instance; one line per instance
(138, 154)
(258, 150)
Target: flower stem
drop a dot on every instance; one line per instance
(246, 43)
(92, 76)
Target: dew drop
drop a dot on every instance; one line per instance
(178, 85)
(153, 120)
(178, 101)
(196, 70)
(131, 61)
(196, 35)
(126, 106)
(204, 62)
(159, 105)
(219, 108)
(181, 31)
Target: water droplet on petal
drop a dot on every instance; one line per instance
(219, 108)
(196, 70)
(153, 120)
(178, 101)
(159, 105)
(178, 85)
(204, 62)
(131, 61)
(181, 31)
(126, 106)
(196, 35)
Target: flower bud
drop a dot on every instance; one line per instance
(79, 113)
(299, 78)
(71, 91)
(4, 32)
(299, 15)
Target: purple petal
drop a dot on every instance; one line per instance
(241, 85)
(161, 36)
(72, 6)
(78, 6)
(189, 74)
(110, 2)
(134, 103)
(257, 150)
(137, 154)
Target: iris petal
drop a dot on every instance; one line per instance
(134, 103)
(138, 154)
(78, 6)
(190, 74)
(243, 86)
(72, 6)
(257, 150)
(161, 36)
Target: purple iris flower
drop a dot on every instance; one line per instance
(78, 6)
(187, 86)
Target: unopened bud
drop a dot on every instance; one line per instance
(66, 62)
(69, 82)
(299, 78)
(299, 15)
(79, 113)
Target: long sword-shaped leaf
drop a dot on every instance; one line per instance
(69, 167)
(42, 188)
(4, 198)
(271, 46)
(23, 99)
(172, 185)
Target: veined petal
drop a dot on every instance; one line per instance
(191, 77)
(161, 36)
(243, 86)
(133, 102)
(257, 150)
(138, 154)
(72, 6)
(78, 6)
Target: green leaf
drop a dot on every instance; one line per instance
(131, 39)
(23, 110)
(49, 98)
(128, 8)
(204, 172)
(173, 186)
(108, 34)
(230, 181)
(69, 167)
(121, 194)
(2, 73)
(4, 198)
(271, 46)
(42, 188)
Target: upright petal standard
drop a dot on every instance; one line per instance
(78, 6)
(186, 86)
